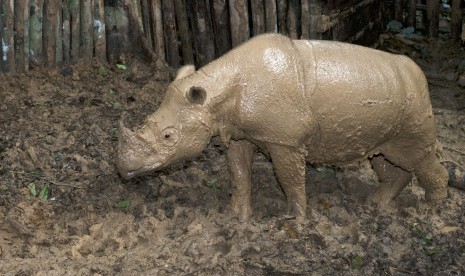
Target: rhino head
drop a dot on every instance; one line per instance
(180, 129)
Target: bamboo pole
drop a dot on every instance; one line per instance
(75, 26)
(281, 6)
(184, 35)
(239, 17)
(412, 13)
(271, 25)
(100, 40)
(157, 28)
(10, 40)
(432, 17)
(35, 32)
(171, 41)
(221, 27)
(258, 17)
(87, 29)
(205, 49)
(456, 19)
(305, 19)
(292, 15)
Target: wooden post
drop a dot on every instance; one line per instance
(271, 25)
(145, 10)
(398, 11)
(66, 33)
(2, 61)
(456, 19)
(258, 17)
(221, 27)
(10, 39)
(21, 38)
(292, 16)
(100, 40)
(49, 31)
(305, 19)
(157, 28)
(239, 17)
(59, 33)
(205, 48)
(432, 17)
(75, 26)
(315, 19)
(282, 14)
(35, 32)
(171, 40)
(412, 13)
(87, 29)
(184, 34)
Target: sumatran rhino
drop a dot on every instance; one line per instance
(302, 101)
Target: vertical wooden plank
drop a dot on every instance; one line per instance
(432, 17)
(456, 19)
(145, 9)
(35, 32)
(87, 27)
(205, 49)
(66, 18)
(19, 38)
(305, 21)
(271, 16)
(412, 13)
(184, 34)
(59, 33)
(239, 17)
(10, 36)
(138, 13)
(258, 17)
(157, 28)
(2, 28)
(282, 15)
(100, 40)
(171, 40)
(75, 26)
(292, 17)
(49, 31)
(315, 18)
(398, 10)
(221, 27)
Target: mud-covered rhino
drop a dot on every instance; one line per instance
(302, 101)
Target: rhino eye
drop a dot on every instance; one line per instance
(170, 136)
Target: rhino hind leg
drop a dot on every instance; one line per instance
(289, 166)
(240, 157)
(392, 180)
(433, 177)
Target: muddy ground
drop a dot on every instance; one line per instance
(65, 211)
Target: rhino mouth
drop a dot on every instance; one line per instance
(130, 174)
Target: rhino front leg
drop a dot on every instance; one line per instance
(240, 157)
(289, 166)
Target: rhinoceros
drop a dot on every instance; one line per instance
(322, 102)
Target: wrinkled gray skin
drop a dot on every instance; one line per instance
(302, 101)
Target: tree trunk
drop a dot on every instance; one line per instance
(239, 17)
(35, 32)
(412, 13)
(75, 24)
(49, 31)
(87, 29)
(315, 19)
(221, 26)
(66, 33)
(258, 17)
(59, 34)
(21, 38)
(171, 40)
(145, 9)
(432, 16)
(282, 14)
(456, 19)
(2, 61)
(271, 25)
(157, 28)
(10, 38)
(398, 11)
(100, 40)
(205, 49)
(305, 19)
(184, 34)
(292, 18)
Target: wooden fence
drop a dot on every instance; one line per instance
(54, 32)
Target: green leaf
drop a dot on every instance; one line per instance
(32, 188)
(43, 195)
(122, 203)
(102, 70)
(121, 66)
(432, 250)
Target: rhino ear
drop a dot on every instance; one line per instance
(196, 95)
(185, 71)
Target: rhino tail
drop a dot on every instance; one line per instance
(456, 177)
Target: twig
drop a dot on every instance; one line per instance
(453, 162)
(456, 150)
(402, 270)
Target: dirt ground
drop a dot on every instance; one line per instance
(65, 211)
